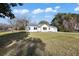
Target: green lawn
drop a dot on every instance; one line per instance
(60, 43)
(56, 43)
(6, 38)
(2, 33)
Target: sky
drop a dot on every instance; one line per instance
(36, 12)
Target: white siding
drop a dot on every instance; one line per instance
(46, 27)
(40, 29)
(32, 29)
(53, 29)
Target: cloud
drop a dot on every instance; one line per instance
(37, 11)
(57, 7)
(49, 10)
(21, 11)
(77, 8)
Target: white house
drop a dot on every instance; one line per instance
(41, 28)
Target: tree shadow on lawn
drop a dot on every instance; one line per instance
(32, 45)
(8, 38)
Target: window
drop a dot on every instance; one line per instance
(44, 28)
(29, 28)
(49, 28)
(35, 28)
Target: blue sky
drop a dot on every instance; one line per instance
(43, 11)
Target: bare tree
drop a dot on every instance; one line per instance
(4, 27)
(12, 23)
(21, 24)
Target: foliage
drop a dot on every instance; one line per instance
(44, 22)
(66, 22)
(5, 9)
(4, 27)
(21, 24)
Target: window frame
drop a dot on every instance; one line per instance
(44, 28)
(35, 28)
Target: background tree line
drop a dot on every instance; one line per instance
(16, 24)
(66, 22)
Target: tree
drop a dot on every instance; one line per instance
(12, 24)
(44, 22)
(5, 9)
(4, 27)
(66, 22)
(21, 24)
(18, 24)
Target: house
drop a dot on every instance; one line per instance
(41, 28)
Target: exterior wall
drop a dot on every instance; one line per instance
(32, 29)
(44, 26)
(40, 29)
(54, 29)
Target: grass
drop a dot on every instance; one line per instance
(60, 43)
(7, 38)
(56, 43)
(3, 33)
